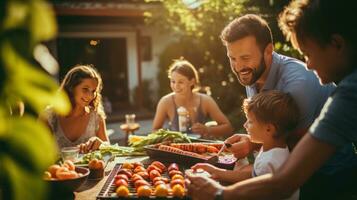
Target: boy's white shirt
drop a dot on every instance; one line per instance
(270, 161)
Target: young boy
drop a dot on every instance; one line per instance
(271, 116)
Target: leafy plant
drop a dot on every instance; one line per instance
(26, 145)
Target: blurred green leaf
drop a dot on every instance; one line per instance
(21, 183)
(42, 24)
(26, 140)
(27, 147)
(17, 12)
(30, 83)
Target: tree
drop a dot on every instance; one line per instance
(196, 26)
(26, 145)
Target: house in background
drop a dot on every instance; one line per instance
(112, 36)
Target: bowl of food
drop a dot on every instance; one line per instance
(65, 178)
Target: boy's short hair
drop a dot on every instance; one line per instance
(276, 108)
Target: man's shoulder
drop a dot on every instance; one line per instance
(284, 60)
(290, 67)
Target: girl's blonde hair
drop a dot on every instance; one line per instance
(75, 76)
(186, 69)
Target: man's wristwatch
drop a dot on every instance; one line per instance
(219, 194)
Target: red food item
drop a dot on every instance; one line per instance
(127, 172)
(212, 149)
(152, 167)
(121, 182)
(139, 169)
(122, 176)
(139, 183)
(136, 164)
(159, 165)
(173, 172)
(160, 178)
(173, 166)
(145, 175)
(154, 173)
(179, 151)
(136, 177)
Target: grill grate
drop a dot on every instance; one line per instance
(108, 189)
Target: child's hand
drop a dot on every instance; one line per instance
(241, 145)
(92, 144)
(214, 171)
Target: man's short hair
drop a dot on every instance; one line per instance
(248, 25)
(274, 107)
(319, 20)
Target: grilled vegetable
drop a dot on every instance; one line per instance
(198, 147)
(160, 136)
(179, 151)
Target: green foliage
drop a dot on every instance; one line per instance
(197, 28)
(26, 145)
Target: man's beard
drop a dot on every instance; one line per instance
(256, 73)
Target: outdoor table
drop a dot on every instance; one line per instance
(91, 188)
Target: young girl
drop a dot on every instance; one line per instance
(183, 80)
(85, 125)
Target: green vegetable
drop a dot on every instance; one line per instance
(160, 136)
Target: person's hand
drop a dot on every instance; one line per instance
(92, 144)
(214, 171)
(241, 145)
(201, 187)
(200, 129)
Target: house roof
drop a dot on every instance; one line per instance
(113, 8)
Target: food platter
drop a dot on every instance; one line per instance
(163, 153)
(110, 188)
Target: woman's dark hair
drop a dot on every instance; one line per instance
(320, 20)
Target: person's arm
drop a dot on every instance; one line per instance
(223, 127)
(102, 130)
(229, 176)
(94, 143)
(160, 115)
(234, 176)
(307, 157)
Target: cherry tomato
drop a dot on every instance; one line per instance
(173, 166)
(159, 165)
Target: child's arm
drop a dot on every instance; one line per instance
(233, 176)
(224, 175)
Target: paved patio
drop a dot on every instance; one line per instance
(116, 135)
